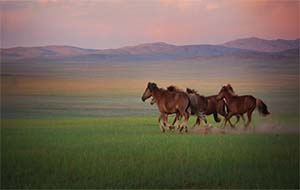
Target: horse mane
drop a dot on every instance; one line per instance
(191, 91)
(173, 88)
(230, 90)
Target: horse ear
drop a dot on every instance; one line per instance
(152, 86)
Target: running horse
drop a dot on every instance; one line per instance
(202, 106)
(169, 103)
(238, 105)
(218, 106)
(198, 105)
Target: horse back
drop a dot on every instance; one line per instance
(171, 102)
(215, 106)
(245, 103)
(198, 103)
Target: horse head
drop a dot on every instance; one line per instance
(222, 93)
(225, 92)
(149, 90)
(230, 89)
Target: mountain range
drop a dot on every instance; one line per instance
(247, 47)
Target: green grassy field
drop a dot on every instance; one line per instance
(131, 152)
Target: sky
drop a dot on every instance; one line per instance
(101, 24)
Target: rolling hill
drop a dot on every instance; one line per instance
(262, 45)
(250, 47)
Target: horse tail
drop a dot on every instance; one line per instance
(217, 119)
(262, 107)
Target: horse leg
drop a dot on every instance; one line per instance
(175, 119)
(203, 118)
(237, 119)
(200, 116)
(207, 127)
(166, 124)
(161, 123)
(227, 118)
(243, 118)
(217, 119)
(233, 125)
(184, 124)
(249, 114)
(186, 119)
(165, 120)
(197, 122)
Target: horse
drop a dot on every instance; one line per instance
(218, 106)
(198, 105)
(178, 116)
(168, 103)
(238, 105)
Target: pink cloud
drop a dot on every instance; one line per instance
(106, 24)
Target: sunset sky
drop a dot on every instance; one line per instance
(116, 23)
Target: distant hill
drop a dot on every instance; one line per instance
(149, 51)
(262, 45)
(251, 47)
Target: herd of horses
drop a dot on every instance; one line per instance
(185, 103)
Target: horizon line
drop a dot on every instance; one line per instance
(157, 42)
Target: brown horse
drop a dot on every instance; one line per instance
(165, 119)
(168, 103)
(238, 105)
(218, 106)
(198, 105)
(202, 106)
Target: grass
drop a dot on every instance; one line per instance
(131, 152)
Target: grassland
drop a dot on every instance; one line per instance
(83, 125)
(131, 152)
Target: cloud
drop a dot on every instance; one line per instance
(111, 24)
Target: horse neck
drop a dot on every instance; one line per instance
(157, 94)
(228, 97)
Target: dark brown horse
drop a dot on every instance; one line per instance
(168, 103)
(238, 105)
(218, 106)
(198, 106)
